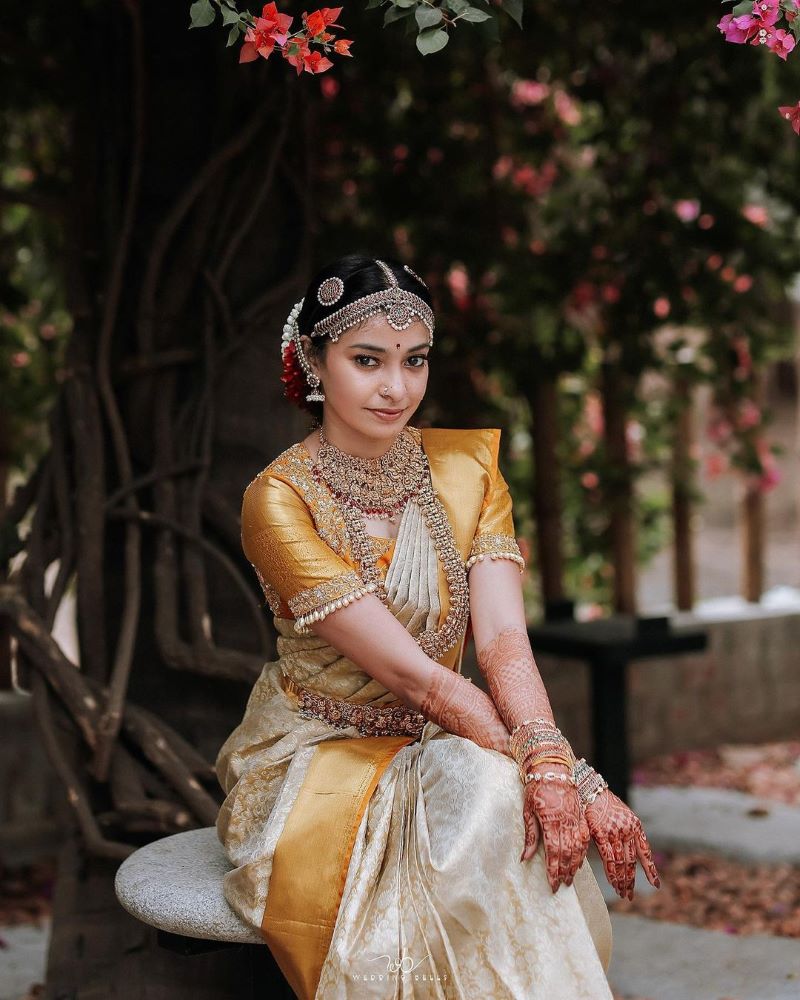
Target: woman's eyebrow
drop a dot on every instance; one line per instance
(382, 350)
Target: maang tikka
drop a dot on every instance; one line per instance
(400, 306)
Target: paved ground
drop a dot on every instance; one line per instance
(23, 959)
(666, 961)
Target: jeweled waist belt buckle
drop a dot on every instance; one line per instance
(369, 720)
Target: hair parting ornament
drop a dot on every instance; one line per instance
(400, 306)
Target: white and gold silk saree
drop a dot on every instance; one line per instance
(377, 854)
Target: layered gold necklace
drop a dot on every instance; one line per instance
(381, 488)
(377, 487)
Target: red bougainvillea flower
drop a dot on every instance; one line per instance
(316, 62)
(317, 22)
(295, 52)
(781, 43)
(791, 112)
(270, 29)
(342, 47)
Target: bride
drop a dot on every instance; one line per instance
(395, 831)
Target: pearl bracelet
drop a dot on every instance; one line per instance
(590, 783)
(549, 776)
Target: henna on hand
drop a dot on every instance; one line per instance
(620, 839)
(461, 708)
(513, 678)
(555, 808)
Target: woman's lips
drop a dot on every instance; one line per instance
(387, 414)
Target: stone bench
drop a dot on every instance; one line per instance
(175, 885)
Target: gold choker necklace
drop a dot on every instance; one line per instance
(376, 487)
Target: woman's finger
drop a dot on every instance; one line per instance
(532, 830)
(552, 849)
(619, 864)
(646, 857)
(606, 853)
(630, 866)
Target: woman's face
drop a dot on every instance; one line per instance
(373, 377)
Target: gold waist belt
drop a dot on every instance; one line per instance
(370, 720)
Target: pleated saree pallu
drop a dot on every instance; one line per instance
(380, 866)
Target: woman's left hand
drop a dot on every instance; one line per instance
(553, 809)
(620, 838)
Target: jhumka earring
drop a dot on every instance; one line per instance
(291, 331)
(315, 396)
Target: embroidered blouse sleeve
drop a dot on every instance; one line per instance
(297, 570)
(494, 536)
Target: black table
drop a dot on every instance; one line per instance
(608, 645)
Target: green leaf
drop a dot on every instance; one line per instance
(405, 3)
(514, 10)
(474, 15)
(395, 14)
(456, 5)
(229, 16)
(427, 17)
(371, 4)
(432, 40)
(233, 36)
(746, 7)
(202, 14)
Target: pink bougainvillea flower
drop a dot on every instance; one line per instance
(781, 43)
(590, 480)
(687, 209)
(342, 46)
(527, 93)
(731, 31)
(755, 27)
(502, 167)
(715, 464)
(719, 430)
(749, 415)
(743, 283)
(566, 109)
(756, 214)
(661, 307)
(791, 112)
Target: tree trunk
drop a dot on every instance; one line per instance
(619, 488)
(682, 479)
(543, 398)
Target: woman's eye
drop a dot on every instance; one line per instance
(364, 359)
(421, 358)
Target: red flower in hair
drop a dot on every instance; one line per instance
(294, 378)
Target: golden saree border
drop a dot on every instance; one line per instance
(312, 856)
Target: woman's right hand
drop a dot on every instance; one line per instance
(553, 809)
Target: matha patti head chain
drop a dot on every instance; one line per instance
(400, 306)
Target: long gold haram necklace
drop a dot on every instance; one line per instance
(381, 487)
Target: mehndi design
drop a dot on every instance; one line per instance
(455, 704)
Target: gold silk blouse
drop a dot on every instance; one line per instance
(295, 537)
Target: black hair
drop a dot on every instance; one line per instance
(361, 276)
